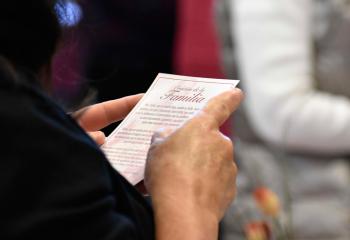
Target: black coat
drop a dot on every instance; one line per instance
(55, 182)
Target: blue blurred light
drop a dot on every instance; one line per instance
(69, 13)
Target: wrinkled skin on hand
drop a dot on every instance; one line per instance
(192, 167)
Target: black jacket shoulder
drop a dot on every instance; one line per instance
(55, 182)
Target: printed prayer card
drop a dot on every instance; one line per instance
(169, 102)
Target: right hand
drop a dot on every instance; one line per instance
(192, 169)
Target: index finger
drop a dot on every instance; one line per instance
(220, 107)
(98, 116)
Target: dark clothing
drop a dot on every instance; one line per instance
(55, 182)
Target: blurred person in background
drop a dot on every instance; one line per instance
(56, 183)
(293, 60)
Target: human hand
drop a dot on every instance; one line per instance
(97, 116)
(190, 173)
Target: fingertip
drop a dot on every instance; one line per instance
(223, 105)
(237, 97)
(140, 95)
(237, 92)
(98, 136)
(101, 138)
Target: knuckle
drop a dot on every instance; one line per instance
(227, 145)
(231, 167)
(224, 108)
(234, 168)
(204, 123)
(204, 120)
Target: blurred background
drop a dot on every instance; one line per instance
(114, 48)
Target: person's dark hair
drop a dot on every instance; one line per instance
(29, 32)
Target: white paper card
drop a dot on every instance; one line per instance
(169, 102)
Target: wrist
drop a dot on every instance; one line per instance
(182, 218)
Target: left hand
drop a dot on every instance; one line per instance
(95, 117)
